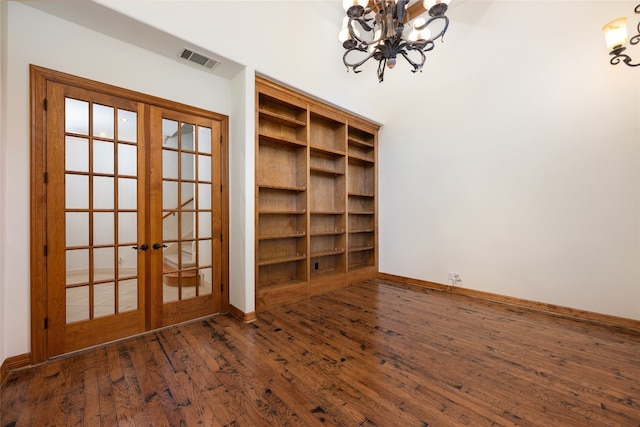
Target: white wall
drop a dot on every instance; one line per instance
(242, 198)
(38, 38)
(3, 180)
(520, 169)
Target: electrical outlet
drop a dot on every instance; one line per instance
(454, 278)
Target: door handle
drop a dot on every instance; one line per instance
(158, 246)
(142, 247)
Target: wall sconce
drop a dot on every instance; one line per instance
(615, 35)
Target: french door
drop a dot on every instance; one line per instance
(133, 216)
(186, 219)
(96, 229)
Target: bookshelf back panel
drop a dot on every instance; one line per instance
(288, 272)
(361, 259)
(327, 224)
(361, 222)
(328, 264)
(327, 133)
(283, 108)
(326, 161)
(272, 225)
(273, 200)
(282, 166)
(367, 138)
(361, 152)
(361, 204)
(361, 178)
(277, 248)
(327, 193)
(327, 243)
(359, 240)
(279, 130)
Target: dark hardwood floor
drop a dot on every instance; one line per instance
(369, 355)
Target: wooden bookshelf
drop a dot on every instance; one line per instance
(316, 204)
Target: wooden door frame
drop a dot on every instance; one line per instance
(39, 77)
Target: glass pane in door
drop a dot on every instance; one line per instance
(101, 210)
(186, 210)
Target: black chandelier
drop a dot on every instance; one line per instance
(615, 34)
(375, 29)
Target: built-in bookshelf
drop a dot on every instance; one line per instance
(316, 223)
(361, 199)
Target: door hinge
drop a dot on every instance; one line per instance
(221, 188)
(220, 139)
(46, 323)
(45, 104)
(221, 287)
(221, 237)
(46, 177)
(46, 250)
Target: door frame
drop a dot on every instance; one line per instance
(39, 77)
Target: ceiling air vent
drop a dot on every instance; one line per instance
(199, 59)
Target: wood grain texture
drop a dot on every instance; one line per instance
(584, 315)
(316, 187)
(241, 315)
(14, 362)
(372, 354)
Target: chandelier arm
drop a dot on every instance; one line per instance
(359, 14)
(416, 65)
(620, 57)
(636, 38)
(363, 23)
(424, 45)
(429, 46)
(381, 66)
(364, 43)
(409, 47)
(431, 20)
(354, 65)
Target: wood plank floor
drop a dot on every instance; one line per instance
(369, 355)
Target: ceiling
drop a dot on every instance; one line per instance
(107, 21)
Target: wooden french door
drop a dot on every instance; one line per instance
(133, 216)
(186, 219)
